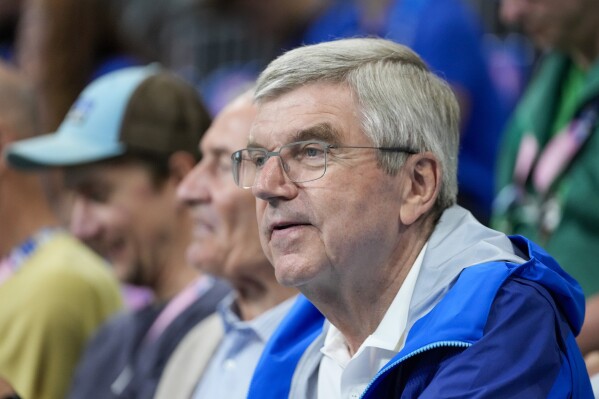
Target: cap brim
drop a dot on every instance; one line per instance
(58, 150)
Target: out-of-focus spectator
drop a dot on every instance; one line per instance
(54, 291)
(291, 23)
(209, 43)
(62, 45)
(217, 359)
(126, 143)
(548, 171)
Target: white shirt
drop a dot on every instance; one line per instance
(343, 376)
(229, 372)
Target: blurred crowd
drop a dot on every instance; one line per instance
(169, 314)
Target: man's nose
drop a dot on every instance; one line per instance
(272, 181)
(192, 188)
(84, 223)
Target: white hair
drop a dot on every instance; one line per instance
(402, 103)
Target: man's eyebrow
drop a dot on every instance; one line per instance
(319, 132)
(216, 151)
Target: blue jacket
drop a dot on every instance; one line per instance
(500, 329)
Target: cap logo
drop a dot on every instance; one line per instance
(80, 110)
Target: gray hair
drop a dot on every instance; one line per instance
(402, 103)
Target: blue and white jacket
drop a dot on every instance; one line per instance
(491, 317)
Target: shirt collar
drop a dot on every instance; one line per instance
(19, 254)
(263, 325)
(390, 333)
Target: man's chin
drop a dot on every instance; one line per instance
(291, 275)
(124, 273)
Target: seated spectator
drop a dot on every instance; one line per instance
(353, 158)
(549, 171)
(54, 291)
(126, 144)
(217, 358)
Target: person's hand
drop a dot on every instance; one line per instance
(592, 362)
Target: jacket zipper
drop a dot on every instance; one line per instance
(434, 345)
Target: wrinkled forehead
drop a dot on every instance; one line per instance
(323, 112)
(230, 129)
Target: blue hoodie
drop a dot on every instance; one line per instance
(490, 317)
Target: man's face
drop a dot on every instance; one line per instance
(225, 233)
(549, 23)
(334, 229)
(122, 215)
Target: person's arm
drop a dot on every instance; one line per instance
(588, 339)
(521, 354)
(60, 313)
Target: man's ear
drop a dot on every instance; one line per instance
(421, 186)
(180, 164)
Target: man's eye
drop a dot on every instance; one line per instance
(97, 195)
(258, 160)
(312, 152)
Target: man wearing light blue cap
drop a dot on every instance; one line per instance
(126, 143)
(54, 291)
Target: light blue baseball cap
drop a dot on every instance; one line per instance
(145, 108)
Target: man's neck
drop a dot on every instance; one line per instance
(357, 307)
(24, 212)
(176, 274)
(179, 276)
(255, 297)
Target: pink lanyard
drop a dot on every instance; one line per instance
(177, 305)
(557, 154)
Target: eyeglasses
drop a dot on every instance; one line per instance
(302, 161)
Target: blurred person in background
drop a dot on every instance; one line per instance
(220, 46)
(205, 41)
(126, 143)
(62, 45)
(291, 23)
(217, 359)
(54, 291)
(548, 171)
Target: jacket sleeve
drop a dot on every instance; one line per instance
(514, 358)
